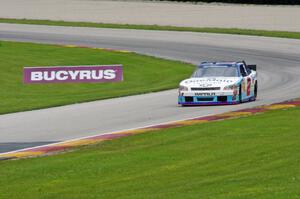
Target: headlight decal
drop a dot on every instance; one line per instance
(183, 88)
(231, 87)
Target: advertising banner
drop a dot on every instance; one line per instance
(75, 74)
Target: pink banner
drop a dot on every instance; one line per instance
(69, 74)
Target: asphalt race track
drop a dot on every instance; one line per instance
(278, 63)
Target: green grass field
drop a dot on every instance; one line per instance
(251, 157)
(283, 34)
(142, 74)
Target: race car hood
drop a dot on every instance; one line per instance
(210, 81)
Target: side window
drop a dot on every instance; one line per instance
(248, 70)
(243, 71)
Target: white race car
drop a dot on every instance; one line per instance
(215, 83)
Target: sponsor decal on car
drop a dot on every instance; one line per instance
(68, 74)
(205, 85)
(235, 93)
(211, 80)
(205, 94)
(244, 87)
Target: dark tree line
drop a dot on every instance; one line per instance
(270, 2)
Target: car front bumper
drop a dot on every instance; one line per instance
(203, 98)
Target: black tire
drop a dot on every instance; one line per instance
(240, 94)
(255, 90)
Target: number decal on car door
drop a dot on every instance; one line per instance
(248, 86)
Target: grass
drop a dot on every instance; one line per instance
(251, 157)
(266, 33)
(142, 74)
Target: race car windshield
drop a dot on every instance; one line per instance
(216, 72)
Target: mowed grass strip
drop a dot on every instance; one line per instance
(251, 157)
(142, 74)
(237, 31)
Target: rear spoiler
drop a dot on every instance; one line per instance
(252, 67)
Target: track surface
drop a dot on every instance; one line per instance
(263, 17)
(278, 69)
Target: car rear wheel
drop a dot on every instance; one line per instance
(255, 90)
